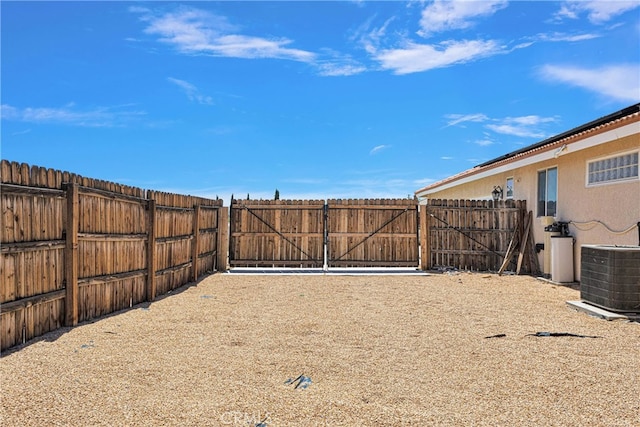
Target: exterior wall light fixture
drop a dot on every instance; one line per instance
(496, 194)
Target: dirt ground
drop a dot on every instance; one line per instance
(325, 350)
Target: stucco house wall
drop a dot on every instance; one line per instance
(616, 205)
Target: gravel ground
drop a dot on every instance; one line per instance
(372, 351)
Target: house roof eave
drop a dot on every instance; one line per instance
(574, 135)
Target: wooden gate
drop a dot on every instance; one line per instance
(372, 233)
(469, 234)
(312, 233)
(277, 233)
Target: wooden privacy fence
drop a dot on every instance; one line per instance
(76, 248)
(469, 234)
(315, 233)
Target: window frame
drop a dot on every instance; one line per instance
(546, 192)
(506, 187)
(610, 182)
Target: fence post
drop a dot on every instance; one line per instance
(325, 236)
(222, 245)
(151, 250)
(71, 255)
(425, 253)
(195, 243)
(277, 240)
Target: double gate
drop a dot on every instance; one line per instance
(315, 233)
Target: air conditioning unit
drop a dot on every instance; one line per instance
(610, 277)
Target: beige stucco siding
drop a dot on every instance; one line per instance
(616, 204)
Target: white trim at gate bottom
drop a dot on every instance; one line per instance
(336, 271)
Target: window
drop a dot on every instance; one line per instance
(612, 169)
(509, 191)
(547, 192)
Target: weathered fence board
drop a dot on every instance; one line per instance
(100, 297)
(31, 272)
(75, 248)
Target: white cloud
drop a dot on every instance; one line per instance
(191, 91)
(565, 12)
(97, 117)
(195, 31)
(620, 82)
(420, 57)
(240, 46)
(446, 158)
(338, 64)
(561, 37)
(8, 112)
(531, 120)
(510, 129)
(370, 39)
(522, 126)
(522, 45)
(598, 11)
(514, 130)
(334, 69)
(396, 50)
(450, 15)
(483, 142)
(456, 119)
(378, 148)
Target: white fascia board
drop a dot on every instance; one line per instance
(592, 141)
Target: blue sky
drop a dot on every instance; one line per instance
(328, 99)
